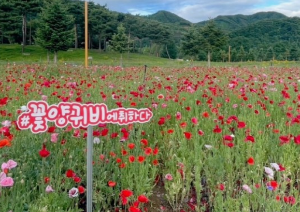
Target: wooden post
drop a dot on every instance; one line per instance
(86, 33)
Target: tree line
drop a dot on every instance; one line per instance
(33, 21)
(21, 22)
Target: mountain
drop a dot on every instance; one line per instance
(229, 23)
(267, 33)
(168, 18)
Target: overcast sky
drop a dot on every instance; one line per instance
(200, 10)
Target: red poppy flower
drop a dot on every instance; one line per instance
(76, 179)
(3, 101)
(81, 189)
(194, 120)
(144, 142)
(134, 209)
(141, 159)
(183, 124)
(241, 124)
(46, 180)
(131, 159)
(124, 152)
(290, 200)
(44, 152)
(221, 187)
(250, 161)
(122, 165)
(51, 129)
(297, 139)
(131, 145)
(205, 114)
(188, 135)
(155, 162)
(230, 144)
(284, 139)
(200, 132)
(273, 184)
(126, 193)
(114, 135)
(143, 199)
(161, 121)
(170, 131)
(104, 132)
(112, 154)
(217, 129)
(228, 138)
(70, 173)
(148, 151)
(249, 138)
(111, 183)
(155, 151)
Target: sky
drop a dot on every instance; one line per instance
(201, 10)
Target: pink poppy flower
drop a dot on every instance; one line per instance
(49, 189)
(9, 165)
(7, 182)
(73, 192)
(54, 137)
(169, 177)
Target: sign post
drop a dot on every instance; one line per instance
(89, 156)
(39, 113)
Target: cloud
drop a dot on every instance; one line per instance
(199, 10)
(289, 8)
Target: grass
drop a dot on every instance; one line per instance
(36, 54)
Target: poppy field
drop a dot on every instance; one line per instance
(220, 139)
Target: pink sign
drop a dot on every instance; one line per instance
(78, 115)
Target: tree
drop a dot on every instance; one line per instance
(170, 51)
(76, 8)
(101, 22)
(208, 38)
(211, 38)
(55, 31)
(120, 41)
(241, 54)
(25, 8)
(190, 44)
(10, 27)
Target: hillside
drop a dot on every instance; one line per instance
(233, 22)
(278, 37)
(169, 18)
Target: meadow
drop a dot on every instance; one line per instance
(221, 139)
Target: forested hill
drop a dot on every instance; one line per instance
(277, 39)
(168, 17)
(233, 22)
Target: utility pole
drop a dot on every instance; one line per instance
(86, 33)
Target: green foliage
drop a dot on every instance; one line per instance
(256, 33)
(120, 40)
(168, 17)
(230, 23)
(208, 38)
(269, 39)
(10, 27)
(211, 37)
(170, 50)
(55, 31)
(190, 45)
